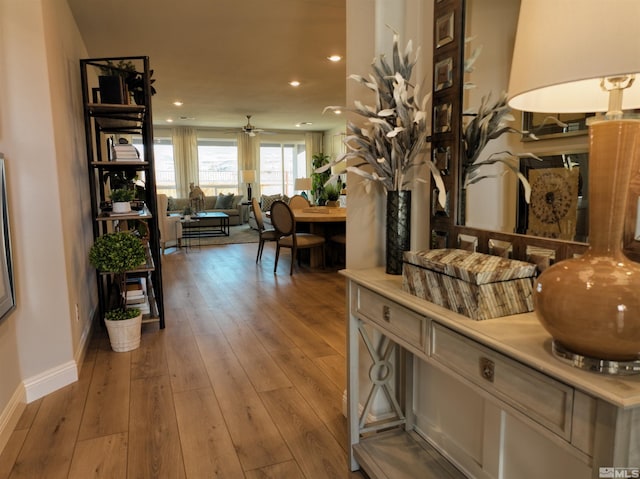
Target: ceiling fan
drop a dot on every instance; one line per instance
(251, 130)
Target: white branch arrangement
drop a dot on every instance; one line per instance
(489, 123)
(395, 135)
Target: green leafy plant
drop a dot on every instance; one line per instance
(395, 134)
(318, 179)
(122, 195)
(134, 80)
(118, 253)
(187, 211)
(332, 191)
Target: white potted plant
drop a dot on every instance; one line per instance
(121, 200)
(118, 253)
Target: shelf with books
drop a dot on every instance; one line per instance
(112, 159)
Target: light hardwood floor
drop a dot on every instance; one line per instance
(245, 381)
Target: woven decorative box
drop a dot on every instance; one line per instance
(477, 285)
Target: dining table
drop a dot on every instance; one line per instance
(324, 221)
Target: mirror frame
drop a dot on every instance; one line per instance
(446, 142)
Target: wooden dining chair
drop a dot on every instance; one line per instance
(284, 222)
(265, 234)
(298, 202)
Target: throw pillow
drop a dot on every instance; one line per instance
(224, 202)
(210, 202)
(171, 206)
(267, 201)
(236, 201)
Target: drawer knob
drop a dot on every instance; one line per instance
(386, 313)
(487, 369)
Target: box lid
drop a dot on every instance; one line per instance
(477, 268)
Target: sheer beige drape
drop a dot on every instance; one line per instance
(248, 158)
(312, 145)
(185, 157)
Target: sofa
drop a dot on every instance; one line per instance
(232, 206)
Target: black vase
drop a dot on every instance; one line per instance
(398, 229)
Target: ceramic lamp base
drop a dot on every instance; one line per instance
(603, 366)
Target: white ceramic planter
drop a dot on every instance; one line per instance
(125, 335)
(121, 207)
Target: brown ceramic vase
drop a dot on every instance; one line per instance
(591, 304)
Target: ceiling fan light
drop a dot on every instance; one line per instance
(334, 58)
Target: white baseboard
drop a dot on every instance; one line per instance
(11, 414)
(51, 380)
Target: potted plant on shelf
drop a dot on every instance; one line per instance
(118, 253)
(319, 178)
(119, 80)
(121, 198)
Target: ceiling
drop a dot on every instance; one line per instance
(226, 59)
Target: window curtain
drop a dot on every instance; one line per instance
(185, 157)
(248, 158)
(313, 145)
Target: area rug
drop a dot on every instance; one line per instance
(237, 234)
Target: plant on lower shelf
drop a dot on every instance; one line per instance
(118, 253)
(122, 195)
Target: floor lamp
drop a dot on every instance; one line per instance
(248, 177)
(582, 56)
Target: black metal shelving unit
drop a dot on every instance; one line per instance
(108, 120)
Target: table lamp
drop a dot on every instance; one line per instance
(582, 56)
(302, 184)
(248, 177)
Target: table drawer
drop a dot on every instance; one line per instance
(409, 327)
(543, 399)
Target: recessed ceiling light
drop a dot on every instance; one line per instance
(178, 103)
(187, 118)
(304, 123)
(334, 58)
(169, 120)
(294, 83)
(338, 112)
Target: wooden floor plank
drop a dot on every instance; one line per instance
(206, 443)
(100, 458)
(49, 445)
(314, 448)
(257, 440)
(107, 408)
(154, 442)
(252, 417)
(288, 470)
(262, 370)
(186, 369)
(324, 397)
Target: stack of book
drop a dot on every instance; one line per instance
(137, 295)
(124, 152)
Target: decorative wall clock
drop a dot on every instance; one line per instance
(554, 200)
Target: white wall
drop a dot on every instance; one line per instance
(366, 33)
(40, 135)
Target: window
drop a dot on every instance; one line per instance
(280, 165)
(164, 165)
(218, 166)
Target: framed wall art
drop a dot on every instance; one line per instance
(444, 29)
(443, 74)
(7, 287)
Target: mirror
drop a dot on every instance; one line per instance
(559, 180)
(489, 217)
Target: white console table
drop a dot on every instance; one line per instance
(485, 396)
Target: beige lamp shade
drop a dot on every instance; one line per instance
(302, 184)
(564, 48)
(248, 176)
(339, 168)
